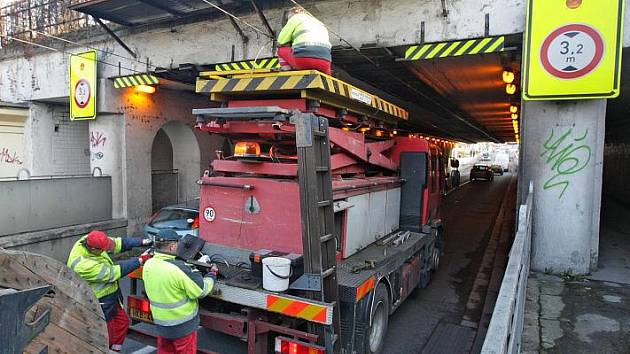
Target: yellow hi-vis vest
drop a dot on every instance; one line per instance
(98, 270)
(173, 290)
(308, 37)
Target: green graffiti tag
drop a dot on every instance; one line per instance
(565, 156)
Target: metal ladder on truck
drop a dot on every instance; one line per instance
(316, 204)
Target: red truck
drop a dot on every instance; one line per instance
(319, 175)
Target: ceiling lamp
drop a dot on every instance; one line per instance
(514, 116)
(145, 88)
(510, 89)
(513, 109)
(508, 76)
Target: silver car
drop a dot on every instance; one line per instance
(182, 218)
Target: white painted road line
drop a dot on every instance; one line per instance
(146, 350)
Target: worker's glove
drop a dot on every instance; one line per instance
(147, 242)
(214, 270)
(215, 291)
(204, 259)
(145, 256)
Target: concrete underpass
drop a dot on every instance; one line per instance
(151, 157)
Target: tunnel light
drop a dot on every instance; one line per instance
(364, 130)
(378, 132)
(508, 76)
(345, 129)
(513, 109)
(145, 89)
(510, 89)
(514, 116)
(395, 132)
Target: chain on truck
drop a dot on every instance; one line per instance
(319, 178)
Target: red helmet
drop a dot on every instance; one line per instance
(99, 240)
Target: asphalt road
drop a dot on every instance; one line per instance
(468, 215)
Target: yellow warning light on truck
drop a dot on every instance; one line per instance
(573, 49)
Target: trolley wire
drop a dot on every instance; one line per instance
(72, 54)
(236, 18)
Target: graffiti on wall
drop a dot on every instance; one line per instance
(97, 139)
(567, 154)
(10, 158)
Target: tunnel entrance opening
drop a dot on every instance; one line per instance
(614, 237)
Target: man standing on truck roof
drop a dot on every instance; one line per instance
(304, 43)
(89, 258)
(173, 289)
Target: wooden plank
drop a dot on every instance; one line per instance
(77, 324)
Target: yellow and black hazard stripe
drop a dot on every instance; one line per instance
(300, 309)
(263, 63)
(455, 49)
(135, 80)
(297, 81)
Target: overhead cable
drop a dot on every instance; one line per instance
(238, 19)
(72, 54)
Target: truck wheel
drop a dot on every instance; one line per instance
(438, 250)
(380, 319)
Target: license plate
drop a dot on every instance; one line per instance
(140, 316)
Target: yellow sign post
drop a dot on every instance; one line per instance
(83, 86)
(573, 49)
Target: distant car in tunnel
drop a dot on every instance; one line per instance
(182, 218)
(498, 169)
(481, 172)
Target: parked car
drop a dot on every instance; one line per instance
(183, 218)
(481, 172)
(497, 169)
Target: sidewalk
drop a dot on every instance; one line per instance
(571, 314)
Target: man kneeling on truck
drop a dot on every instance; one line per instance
(173, 290)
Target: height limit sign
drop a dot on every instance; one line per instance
(573, 49)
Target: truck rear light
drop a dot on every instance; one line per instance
(285, 345)
(139, 304)
(247, 149)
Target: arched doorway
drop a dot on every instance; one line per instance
(164, 178)
(175, 165)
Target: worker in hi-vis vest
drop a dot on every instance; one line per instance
(173, 289)
(304, 43)
(89, 258)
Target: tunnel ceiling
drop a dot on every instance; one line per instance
(460, 97)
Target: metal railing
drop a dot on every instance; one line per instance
(25, 18)
(506, 326)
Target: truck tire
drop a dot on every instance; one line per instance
(438, 250)
(380, 319)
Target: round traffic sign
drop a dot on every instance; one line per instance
(82, 93)
(209, 214)
(572, 51)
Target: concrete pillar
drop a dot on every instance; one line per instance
(562, 154)
(106, 154)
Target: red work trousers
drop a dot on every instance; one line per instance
(117, 329)
(285, 56)
(183, 345)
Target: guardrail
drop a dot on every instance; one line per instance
(506, 326)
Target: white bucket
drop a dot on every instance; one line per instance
(276, 273)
